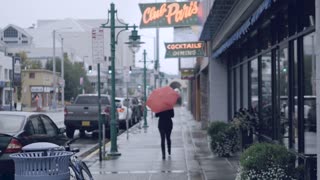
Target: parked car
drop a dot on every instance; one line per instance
(124, 111)
(18, 129)
(83, 114)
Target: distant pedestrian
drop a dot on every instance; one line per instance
(165, 127)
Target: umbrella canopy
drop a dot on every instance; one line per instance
(162, 99)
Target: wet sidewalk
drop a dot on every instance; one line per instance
(141, 157)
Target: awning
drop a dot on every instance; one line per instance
(243, 29)
(218, 12)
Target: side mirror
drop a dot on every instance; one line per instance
(62, 130)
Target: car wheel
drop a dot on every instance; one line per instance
(95, 135)
(70, 132)
(82, 133)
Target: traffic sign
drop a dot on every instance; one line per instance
(97, 45)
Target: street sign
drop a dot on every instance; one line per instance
(97, 45)
(184, 49)
(61, 82)
(17, 70)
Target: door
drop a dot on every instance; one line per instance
(52, 131)
(36, 130)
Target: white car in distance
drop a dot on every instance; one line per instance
(124, 111)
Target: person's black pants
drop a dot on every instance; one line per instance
(165, 133)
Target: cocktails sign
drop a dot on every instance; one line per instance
(170, 14)
(184, 49)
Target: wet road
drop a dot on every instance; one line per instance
(84, 143)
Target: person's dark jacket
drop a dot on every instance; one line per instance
(165, 121)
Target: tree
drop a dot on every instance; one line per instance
(72, 74)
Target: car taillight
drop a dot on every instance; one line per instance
(120, 109)
(65, 111)
(107, 110)
(14, 146)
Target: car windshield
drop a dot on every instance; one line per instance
(91, 100)
(11, 123)
(118, 102)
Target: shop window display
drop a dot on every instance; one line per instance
(254, 84)
(266, 101)
(309, 115)
(283, 85)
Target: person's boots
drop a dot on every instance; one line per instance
(164, 154)
(163, 149)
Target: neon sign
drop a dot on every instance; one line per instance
(184, 49)
(170, 14)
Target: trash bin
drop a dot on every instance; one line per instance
(48, 165)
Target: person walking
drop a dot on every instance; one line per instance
(165, 127)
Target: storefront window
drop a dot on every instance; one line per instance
(266, 36)
(234, 91)
(254, 84)
(238, 87)
(266, 101)
(245, 85)
(309, 94)
(295, 109)
(283, 84)
(7, 97)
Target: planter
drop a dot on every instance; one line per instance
(267, 161)
(223, 139)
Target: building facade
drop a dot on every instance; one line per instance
(263, 56)
(37, 82)
(73, 37)
(5, 80)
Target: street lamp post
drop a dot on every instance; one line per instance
(112, 26)
(145, 124)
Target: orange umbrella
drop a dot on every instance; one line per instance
(162, 99)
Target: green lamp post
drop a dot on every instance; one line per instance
(145, 124)
(133, 38)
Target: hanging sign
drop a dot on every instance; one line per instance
(187, 74)
(184, 49)
(171, 14)
(17, 71)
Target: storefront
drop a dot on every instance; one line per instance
(5, 95)
(271, 67)
(44, 94)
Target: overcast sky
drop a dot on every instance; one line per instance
(24, 13)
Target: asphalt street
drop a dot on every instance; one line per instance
(84, 144)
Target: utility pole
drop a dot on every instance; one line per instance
(145, 124)
(62, 73)
(156, 65)
(54, 103)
